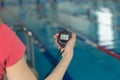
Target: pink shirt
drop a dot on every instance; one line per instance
(11, 48)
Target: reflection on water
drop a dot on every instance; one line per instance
(105, 30)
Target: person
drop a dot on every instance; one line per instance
(13, 64)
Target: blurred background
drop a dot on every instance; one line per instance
(96, 23)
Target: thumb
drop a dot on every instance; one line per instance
(72, 41)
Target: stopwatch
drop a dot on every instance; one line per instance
(63, 37)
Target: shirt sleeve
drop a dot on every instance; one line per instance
(17, 49)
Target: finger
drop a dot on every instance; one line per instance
(56, 36)
(72, 40)
(62, 50)
(57, 44)
(73, 37)
(59, 47)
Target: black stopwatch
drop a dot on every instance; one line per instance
(63, 37)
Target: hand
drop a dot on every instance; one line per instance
(68, 50)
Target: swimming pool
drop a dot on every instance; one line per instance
(89, 63)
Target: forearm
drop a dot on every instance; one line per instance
(60, 70)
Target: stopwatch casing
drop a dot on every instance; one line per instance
(63, 37)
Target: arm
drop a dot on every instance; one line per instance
(15, 65)
(20, 71)
(67, 55)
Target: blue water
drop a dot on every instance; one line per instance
(88, 62)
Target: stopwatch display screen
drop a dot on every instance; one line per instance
(64, 37)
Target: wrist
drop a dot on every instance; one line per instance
(67, 54)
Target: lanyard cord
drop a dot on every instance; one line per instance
(55, 62)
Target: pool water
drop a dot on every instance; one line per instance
(97, 21)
